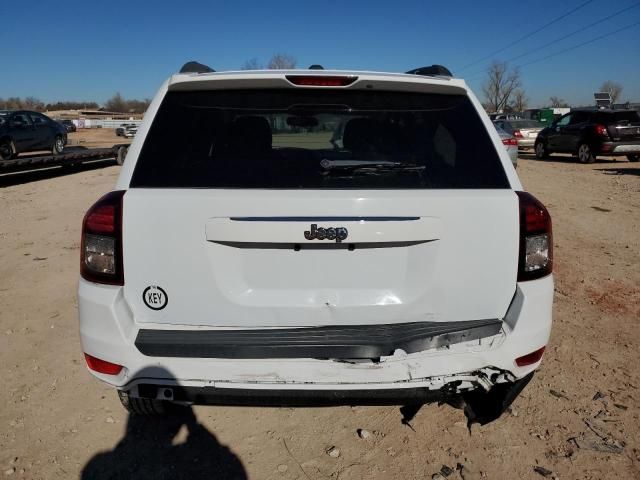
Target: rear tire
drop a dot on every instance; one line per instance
(58, 146)
(143, 406)
(633, 158)
(541, 150)
(585, 155)
(6, 150)
(122, 153)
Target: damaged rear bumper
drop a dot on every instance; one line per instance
(341, 341)
(419, 391)
(109, 331)
(484, 399)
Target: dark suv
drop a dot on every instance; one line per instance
(24, 131)
(588, 133)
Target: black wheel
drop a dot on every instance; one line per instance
(6, 150)
(143, 406)
(58, 145)
(585, 155)
(633, 158)
(541, 150)
(122, 153)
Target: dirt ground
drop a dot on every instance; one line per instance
(578, 418)
(95, 138)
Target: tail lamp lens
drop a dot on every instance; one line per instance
(517, 133)
(510, 142)
(536, 252)
(102, 366)
(530, 358)
(101, 251)
(536, 239)
(601, 130)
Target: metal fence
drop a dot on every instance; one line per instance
(103, 123)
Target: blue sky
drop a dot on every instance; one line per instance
(72, 50)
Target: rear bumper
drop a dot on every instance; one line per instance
(108, 331)
(289, 398)
(619, 148)
(342, 341)
(526, 142)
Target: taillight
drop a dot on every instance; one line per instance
(102, 366)
(536, 240)
(101, 246)
(530, 358)
(510, 141)
(601, 130)
(517, 133)
(321, 80)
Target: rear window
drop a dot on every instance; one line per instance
(526, 124)
(313, 139)
(629, 116)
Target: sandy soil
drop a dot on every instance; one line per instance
(95, 138)
(578, 418)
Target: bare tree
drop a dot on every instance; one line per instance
(282, 61)
(520, 101)
(557, 102)
(32, 103)
(17, 103)
(117, 103)
(614, 89)
(500, 85)
(69, 105)
(252, 64)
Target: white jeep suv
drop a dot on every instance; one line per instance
(316, 237)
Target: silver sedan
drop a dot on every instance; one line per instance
(510, 143)
(525, 131)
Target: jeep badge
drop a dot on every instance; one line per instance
(333, 233)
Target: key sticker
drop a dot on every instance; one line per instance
(155, 297)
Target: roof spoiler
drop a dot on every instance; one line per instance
(432, 71)
(195, 67)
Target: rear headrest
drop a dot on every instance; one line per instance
(250, 134)
(360, 134)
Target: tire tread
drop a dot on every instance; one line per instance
(142, 406)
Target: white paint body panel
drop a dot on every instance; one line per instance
(472, 257)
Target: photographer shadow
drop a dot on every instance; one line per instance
(171, 447)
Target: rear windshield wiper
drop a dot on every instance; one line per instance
(368, 166)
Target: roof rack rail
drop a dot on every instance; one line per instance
(432, 71)
(195, 67)
(316, 66)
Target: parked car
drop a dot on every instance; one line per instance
(588, 133)
(130, 130)
(68, 124)
(127, 130)
(525, 131)
(24, 131)
(120, 129)
(510, 143)
(504, 116)
(240, 266)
